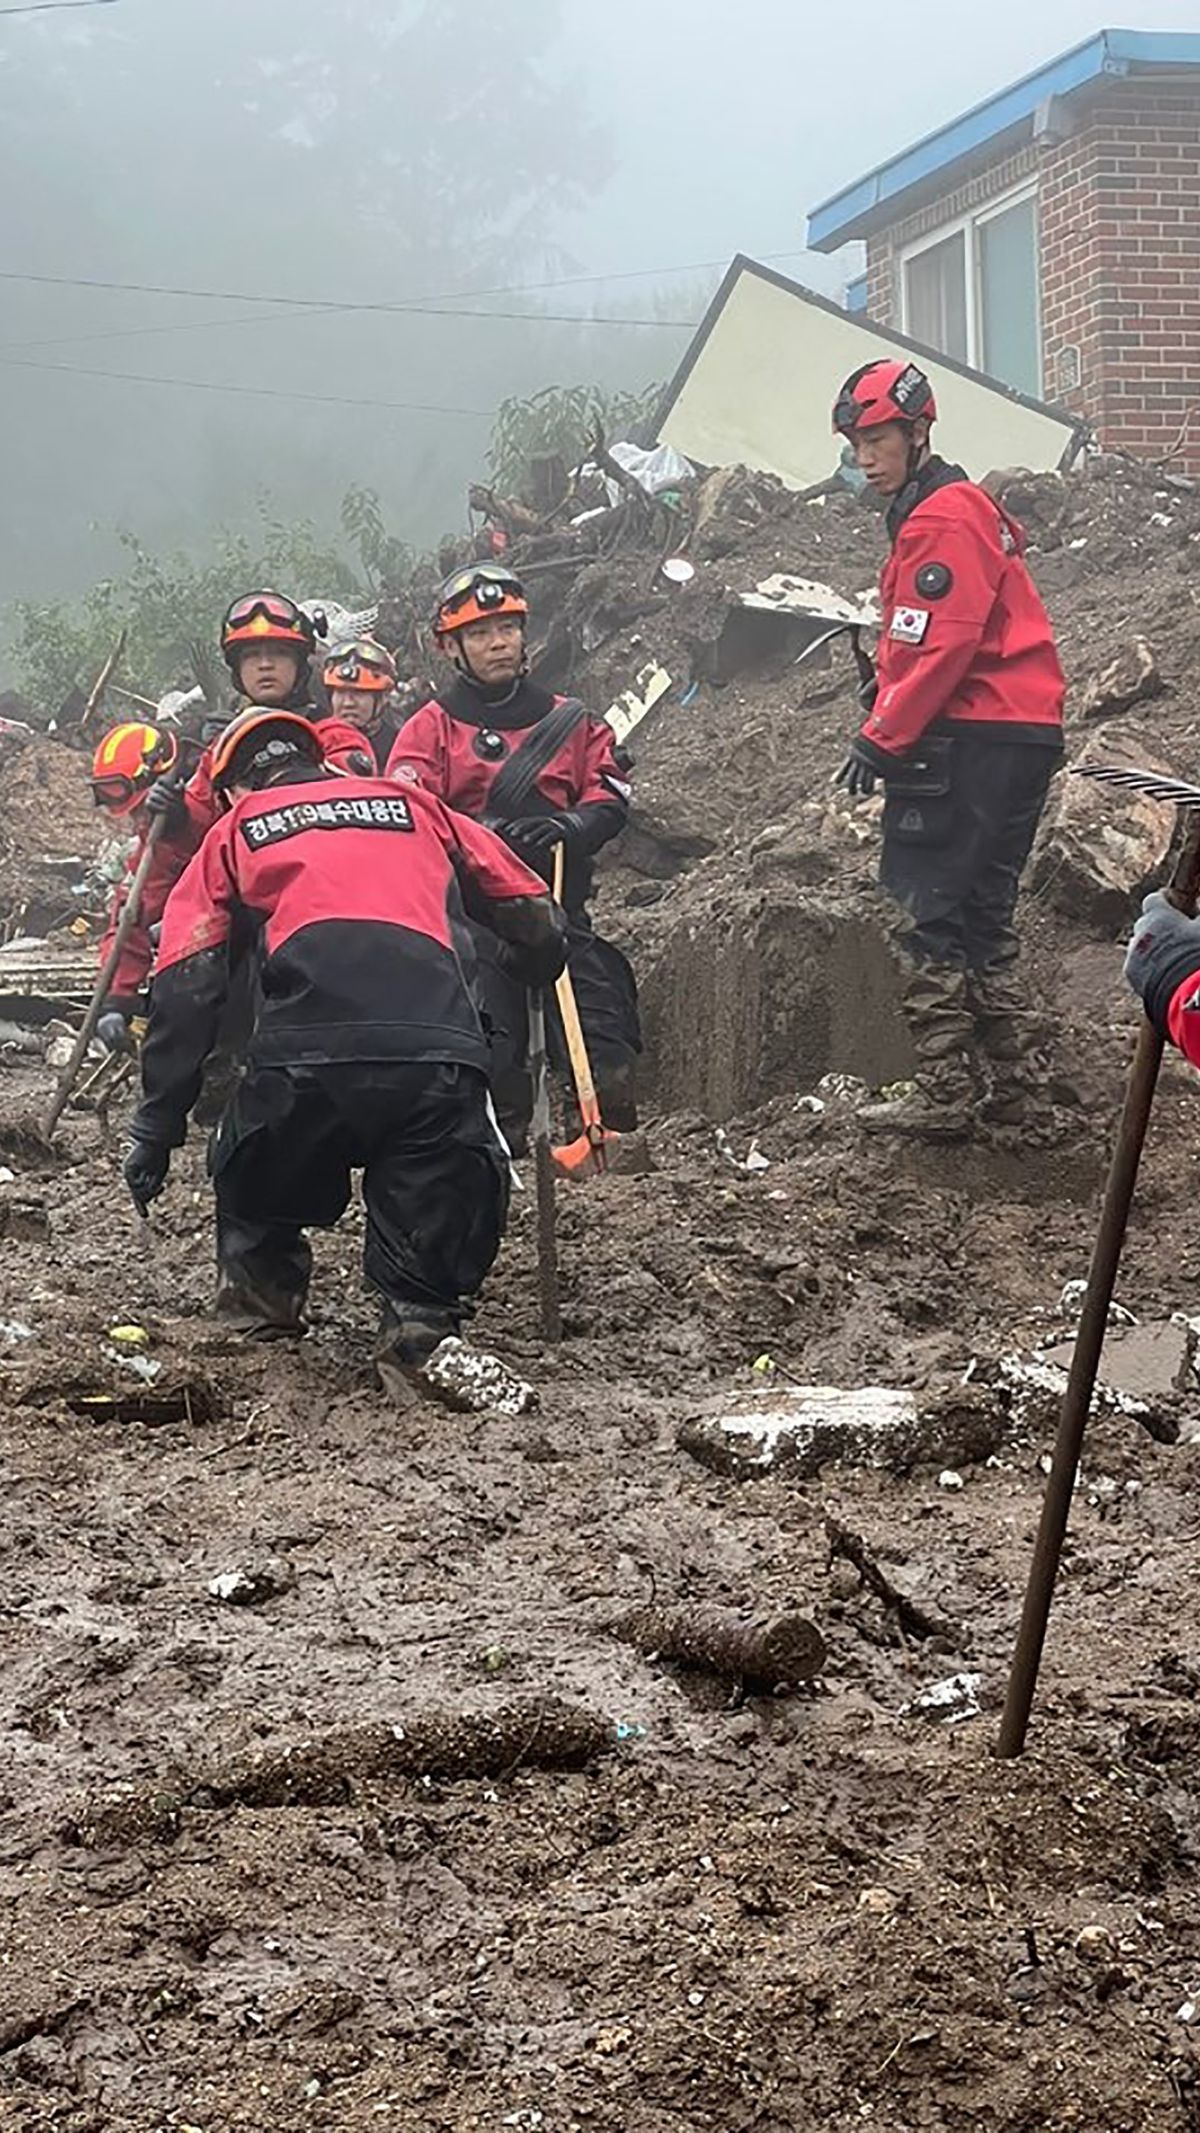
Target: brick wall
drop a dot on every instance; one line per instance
(1119, 212)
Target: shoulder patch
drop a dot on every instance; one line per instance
(909, 624)
(934, 580)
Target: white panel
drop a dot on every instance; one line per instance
(762, 387)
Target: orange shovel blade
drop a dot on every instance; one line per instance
(588, 1151)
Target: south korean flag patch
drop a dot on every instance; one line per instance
(909, 625)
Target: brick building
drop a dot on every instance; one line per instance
(1051, 237)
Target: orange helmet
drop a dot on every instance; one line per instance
(126, 764)
(475, 594)
(256, 739)
(266, 618)
(362, 664)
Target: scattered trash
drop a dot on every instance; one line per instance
(129, 1336)
(751, 1163)
(1072, 1299)
(948, 1702)
(14, 1329)
(949, 1479)
(250, 1587)
(629, 1729)
(650, 685)
(145, 1367)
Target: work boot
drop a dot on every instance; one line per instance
(421, 1355)
(942, 1102)
(1014, 1041)
(258, 1312)
(616, 1089)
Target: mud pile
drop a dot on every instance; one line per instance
(743, 1913)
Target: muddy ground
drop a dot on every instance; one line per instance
(755, 1913)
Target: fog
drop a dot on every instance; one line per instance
(349, 154)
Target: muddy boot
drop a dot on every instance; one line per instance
(421, 1355)
(263, 1274)
(260, 1313)
(1014, 1040)
(616, 1088)
(941, 1105)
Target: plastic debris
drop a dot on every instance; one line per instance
(129, 1336)
(949, 1479)
(948, 1702)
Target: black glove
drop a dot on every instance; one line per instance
(540, 833)
(862, 766)
(145, 1167)
(165, 799)
(1164, 950)
(113, 1031)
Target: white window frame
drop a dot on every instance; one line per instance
(969, 224)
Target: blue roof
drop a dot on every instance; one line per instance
(874, 201)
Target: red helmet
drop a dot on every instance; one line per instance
(128, 760)
(883, 392)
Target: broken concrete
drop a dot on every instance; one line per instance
(1101, 849)
(1133, 677)
(801, 1429)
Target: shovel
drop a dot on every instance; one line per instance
(125, 926)
(589, 1150)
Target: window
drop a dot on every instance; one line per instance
(972, 291)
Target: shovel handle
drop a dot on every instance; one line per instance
(581, 1066)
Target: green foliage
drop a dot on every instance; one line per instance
(558, 419)
(387, 560)
(166, 604)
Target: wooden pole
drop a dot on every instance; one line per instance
(1183, 890)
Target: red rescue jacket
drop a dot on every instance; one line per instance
(361, 891)
(965, 641)
(456, 744)
(346, 750)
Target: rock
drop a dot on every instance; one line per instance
(1032, 1386)
(947, 1702)
(1101, 848)
(1151, 1362)
(1133, 677)
(1095, 1944)
(800, 1429)
(251, 1585)
(474, 1382)
(879, 1902)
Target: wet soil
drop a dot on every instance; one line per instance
(729, 1913)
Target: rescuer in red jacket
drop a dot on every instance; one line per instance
(964, 726)
(542, 772)
(268, 643)
(366, 1051)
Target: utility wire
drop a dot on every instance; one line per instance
(52, 7)
(257, 392)
(421, 306)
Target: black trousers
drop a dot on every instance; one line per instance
(435, 1180)
(953, 860)
(605, 993)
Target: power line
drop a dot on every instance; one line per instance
(420, 306)
(256, 392)
(52, 7)
(534, 318)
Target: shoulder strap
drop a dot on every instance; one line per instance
(516, 778)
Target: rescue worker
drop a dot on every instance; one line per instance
(268, 642)
(360, 681)
(1162, 965)
(366, 1050)
(543, 772)
(964, 726)
(129, 761)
